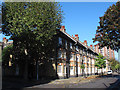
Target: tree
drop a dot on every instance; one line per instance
(108, 33)
(114, 64)
(32, 26)
(117, 66)
(7, 51)
(100, 62)
(82, 67)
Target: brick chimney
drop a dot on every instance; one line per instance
(63, 28)
(76, 37)
(85, 42)
(5, 40)
(91, 46)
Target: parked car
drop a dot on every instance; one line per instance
(109, 72)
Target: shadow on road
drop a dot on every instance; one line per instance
(19, 84)
(112, 85)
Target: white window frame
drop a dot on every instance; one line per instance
(71, 46)
(59, 54)
(66, 44)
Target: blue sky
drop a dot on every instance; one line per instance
(82, 18)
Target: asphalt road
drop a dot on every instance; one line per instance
(105, 82)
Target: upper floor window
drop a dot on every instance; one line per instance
(112, 54)
(101, 51)
(66, 44)
(60, 41)
(64, 54)
(59, 54)
(70, 45)
(108, 52)
(77, 48)
(72, 57)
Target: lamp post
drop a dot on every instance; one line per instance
(26, 66)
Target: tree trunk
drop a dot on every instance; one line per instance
(26, 70)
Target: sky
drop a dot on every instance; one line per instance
(82, 18)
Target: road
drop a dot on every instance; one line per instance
(101, 82)
(105, 82)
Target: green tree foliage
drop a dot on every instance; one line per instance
(32, 26)
(100, 62)
(6, 55)
(117, 66)
(0, 18)
(108, 33)
(82, 66)
(114, 64)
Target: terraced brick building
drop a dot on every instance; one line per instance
(71, 54)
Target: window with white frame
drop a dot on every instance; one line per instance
(59, 54)
(71, 70)
(60, 41)
(59, 69)
(101, 51)
(78, 58)
(66, 44)
(112, 54)
(88, 60)
(72, 57)
(65, 54)
(108, 52)
(77, 48)
(70, 45)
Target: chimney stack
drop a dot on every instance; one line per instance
(63, 28)
(91, 46)
(85, 42)
(76, 37)
(5, 40)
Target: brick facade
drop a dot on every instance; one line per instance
(71, 53)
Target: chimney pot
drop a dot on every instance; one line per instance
(4, 38)
(91, 46)
(76, 36)
(62, 28)
(85, 42)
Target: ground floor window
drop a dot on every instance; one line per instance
(71, 69)
(59, 69)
